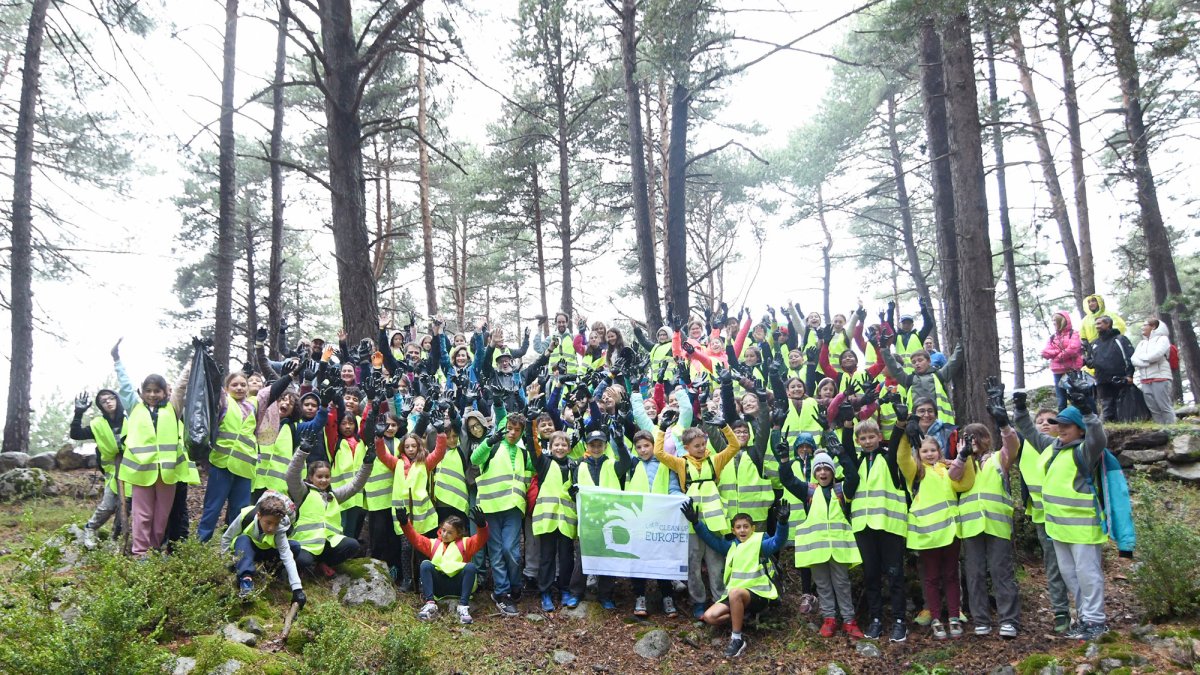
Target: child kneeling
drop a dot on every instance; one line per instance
(749, 587)
(447, 572)
(259, 534)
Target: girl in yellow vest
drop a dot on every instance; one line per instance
(650, 476)
(933, 529)
(985, 514)
(318, 529)
(603, 465)
(386, 543)
(448, 570)
(108, 431)
(233, 458)
(554, 520)
(748, 584)
(1033, 477)
(259, 534)
(412, 470)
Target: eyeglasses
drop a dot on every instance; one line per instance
(924, 411)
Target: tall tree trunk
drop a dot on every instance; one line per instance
(431, 305)
(343, 142)
(826, 251)
(1010, 264)
(226, 194)
(933, 95)
(643, 229)
(977, 288)
(1087, 266)
(676, 234)
(275, 278)
(558, 82)
(20, 370)
(383, 240)
(903, 204)
(1164, 277)
(537, 230)
(664, 161)
(1058, 204)
(251, 294)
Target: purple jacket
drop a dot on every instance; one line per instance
(1063, 349)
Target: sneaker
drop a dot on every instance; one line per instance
(464, 614)
(698, 610)
(1093, 631)
(1075, 632)
(245, 587)
(607, 603)
(669, 608)
(899, 631)
(1008, 631)
(547, 603)
(939, 631)
(1062, 622)
(983, 629)
(924, 617)
(592, 582)
(505, 604)
(89, 537)
(569, 601)
(956, 629)
(735, 648)
(639, 606)
(828, 627)
(324, 570)
(874, 629)
(852, 629)
(428, 611)
(807, 601)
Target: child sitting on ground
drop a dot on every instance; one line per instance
(448, 571)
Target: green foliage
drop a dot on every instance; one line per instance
(1033, 664)
(1166, 579)
(211, 651)
(338, 645)
(50, 423)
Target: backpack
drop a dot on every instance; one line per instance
(1173, 358)
(1112, 503)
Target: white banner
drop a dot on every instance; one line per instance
(623, 534)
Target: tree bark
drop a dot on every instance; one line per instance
(933, 95)
(1087, 266)
(1010, 265)
(977, 288)
(275, 278)
(431, 304)
(20, 370)
(537, 230)
(1058, 204)
(251, 293)
(226, 196)
(676, 232)
(644, 231)
(826, 251)
(902, 202)
(1164, 277)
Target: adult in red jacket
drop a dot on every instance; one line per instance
(1064, 350)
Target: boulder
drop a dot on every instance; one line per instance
(183, 665)
(234, 634)
(1184, 449)
(1005, 669)
(1144, 456)
(251, 624)
(13, 460)
(834, 669)
(228, 668)
(653, 645)
(364, 581)
(1187, 411)
(580, 611)
(1177, 650)
(44, 461)
(1188, 473)
(24, 483)
(562, 657)
(1143, 440)
(69, 459)
(1155, 471)
(1124, 460)
(867, 649)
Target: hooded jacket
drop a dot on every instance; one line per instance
(1064, 349)
(1088, 330)
(1110, 356)
(1150, 356)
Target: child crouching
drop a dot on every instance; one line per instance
(259, 534)
(448, 571)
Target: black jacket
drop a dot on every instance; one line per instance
(1111, 355)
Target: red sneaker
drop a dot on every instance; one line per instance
(829, 627)
(852, 629)
(324, 570)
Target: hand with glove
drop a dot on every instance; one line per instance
(966, 446)
(999, 413)
(779, 414)
(690, 512)
(822, 418)
(401, 515)
(901, 411)
(260, 336)
(783, 511)
(783, 451)
(308, 441)
(868, 397)
(813, 354)
(116, 350)
(82, 401)
(995, 391)
(299, 598)
(479, 517)
(832, 445)
(494, 438)
(668, 418)
(845, 413)
(1020, 400)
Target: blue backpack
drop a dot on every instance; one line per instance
(1113, 506)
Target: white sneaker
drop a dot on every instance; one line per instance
(428, 611)
(464, 614)
(1008, 630)
(89, 538)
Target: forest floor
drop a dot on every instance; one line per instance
(782, 641)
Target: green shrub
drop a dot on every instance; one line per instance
(338, 645)
(1166, 578)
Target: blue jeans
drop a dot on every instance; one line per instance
(246, 555)
(1058, 391)
(224, 489)
(504, 548)
(435, 584)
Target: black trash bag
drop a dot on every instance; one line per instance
(1131, 405)
(201, 403)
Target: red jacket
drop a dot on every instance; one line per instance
(471, 545)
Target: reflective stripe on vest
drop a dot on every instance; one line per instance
(450, 481)
(986, 508)
(941, 401)
(236, 448)
(878, 504)
(824, 533)
(448, 558)
(318, 522)
(270, 472)
(744, 568)
(1071, 516)
(410, 490)
(154, 450)
(933, 515)
(639, 482)
(1034, 474)
(659, 354)
(905, 345)
(346, 463)
(502, 486)
(554, 509)
(745, 491)
(702, 488)
(564, 353)
(377, 491)
(107, 444)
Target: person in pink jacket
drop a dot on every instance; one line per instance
(1064, 351)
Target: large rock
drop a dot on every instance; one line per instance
(24, 483)
(364, 581)
(868, 649)
(13, 460)
(1154, 471)
(183, 665)
(1144, 439)
(1187, 411)
(68, 459)
(1188, 473)
(1144, 456)
(234, 634)
(44, 461)
(653, 645)
(1177, 650)
(1184, 449)
(562, 657)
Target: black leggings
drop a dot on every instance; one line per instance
(556, 562)
(346, 549)
(882, 553)
(385, 543)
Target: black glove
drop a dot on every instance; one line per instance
(913, 431)
(869, 397)
(845, 413)
(966, 447)
(690, 512)
(832, 445)
(1020, 400)
(716, 419)
(82, 401)
(995, 391)
(901, 411)
(438, 424)
(823, 418)
(779, 414)
(478, 516)
(326, 394)
(299, 598)
(247, 369)
(813, 354)
(308, 441)
(860, 313)
(687, 347)
(260, 335)
(495, 437)
(1000, 414)
(783, 451)
(290, 367)
(783, 511)
(667, 419)
(401, 515)
(725, 376)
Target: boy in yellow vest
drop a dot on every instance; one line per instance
(597, 469)
(503, 484)
(749, 586)
(259, 534)
(108, 431)
(448, 570)
(650, 476)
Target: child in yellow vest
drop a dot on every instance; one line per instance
(554, 520)
(259, 534)
(233, 459)
(448, 570)
(410, 489)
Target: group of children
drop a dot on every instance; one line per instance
(465, 468)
